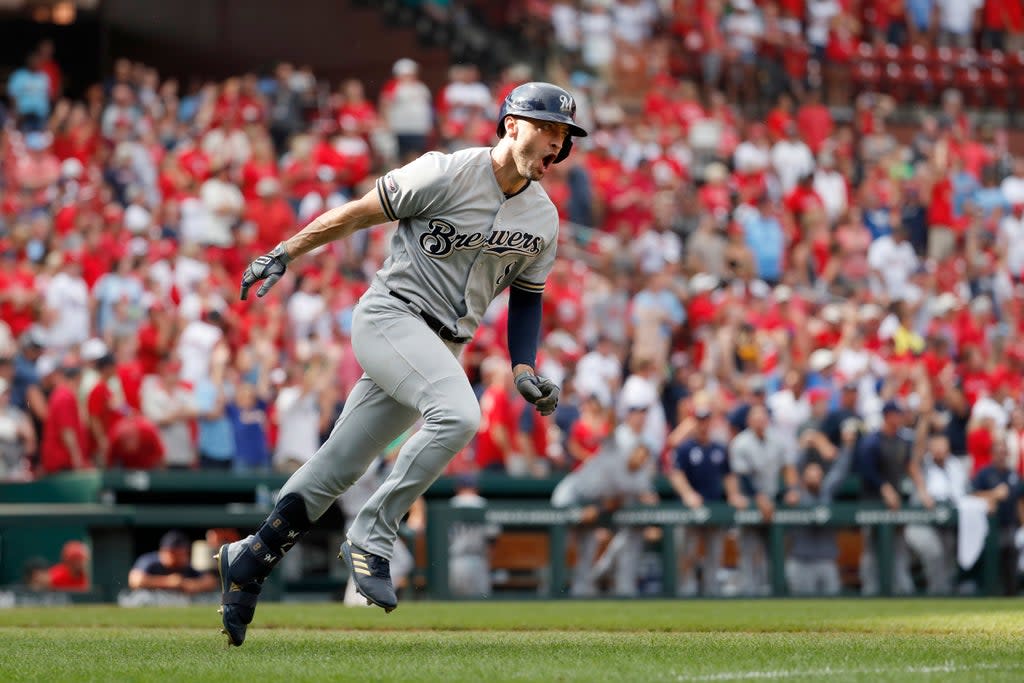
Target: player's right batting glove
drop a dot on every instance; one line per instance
(269, 267)
(540, 391)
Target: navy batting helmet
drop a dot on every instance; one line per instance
(546, 102)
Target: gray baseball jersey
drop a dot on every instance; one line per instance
(460, 241)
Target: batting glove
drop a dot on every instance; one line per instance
(540, 391)
(269, 267)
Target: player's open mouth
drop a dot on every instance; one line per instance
(547, 161)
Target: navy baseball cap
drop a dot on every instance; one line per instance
(467, 480)
(891, 407)
(174, 539)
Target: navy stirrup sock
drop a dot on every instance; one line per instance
(285, 527)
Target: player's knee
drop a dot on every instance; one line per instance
(464, 421)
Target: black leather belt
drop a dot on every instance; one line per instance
(435, 325)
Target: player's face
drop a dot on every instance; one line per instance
(537, 143)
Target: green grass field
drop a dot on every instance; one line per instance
(803, 640)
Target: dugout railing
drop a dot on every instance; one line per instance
(559, 522)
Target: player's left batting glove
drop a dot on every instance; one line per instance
(269, 267)
(540, 391)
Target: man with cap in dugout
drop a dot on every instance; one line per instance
(71, 572)
(469, 544)
(170, 568)
(885, 459)
(620, 473)
(700, 474)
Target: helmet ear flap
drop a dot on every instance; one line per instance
(501, 121)
(566, 148)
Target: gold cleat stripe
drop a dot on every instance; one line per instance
(360, 563)
(358, 556)
(360, 570)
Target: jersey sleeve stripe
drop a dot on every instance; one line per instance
(384, 201)
(528, 286)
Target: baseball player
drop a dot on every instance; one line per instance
(470, 224)
(620, 473)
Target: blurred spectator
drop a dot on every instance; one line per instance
(197, 342)
(223, 205)
(29, 89)
(68, 304)
(297, 413)
(761, 463)
(820, 15)
(940, 479)
(495, 441)
(597, 30)
(700, 474)
(752, 394)
(168, 403)
(743, 30)
(284, 103)
(641, 389)
(134, 444)
(169, 568)
(120, 286)
(892, 261)
(920, 21)
(811, 560)
(885, 462)
(406, 106)
(64, 445)
(589, 430)
(72, 572)
(601, 369)
(216, 438)
(469, 545)
(956, 21)
(103, 408)
(34, 173)
(121, 116)
(250, 423)
(48, 64)
(17, 438)
(1002, 488)
(792, 159)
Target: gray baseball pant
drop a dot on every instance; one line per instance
(469, 576)
(689, 539)
(812, 577)
(936, 548)
(409, 372)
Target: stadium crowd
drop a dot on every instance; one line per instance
(763, 305)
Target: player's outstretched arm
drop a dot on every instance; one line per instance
(337, 223)
(329, 226)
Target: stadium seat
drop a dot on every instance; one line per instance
(866, 76)
(968, 81)
(912, 55)
(997, 86)
(918, 83)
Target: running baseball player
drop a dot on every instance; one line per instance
(470, 224)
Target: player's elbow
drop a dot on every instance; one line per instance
(136, 579)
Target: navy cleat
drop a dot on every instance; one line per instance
(241, 572)
(372, 576)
